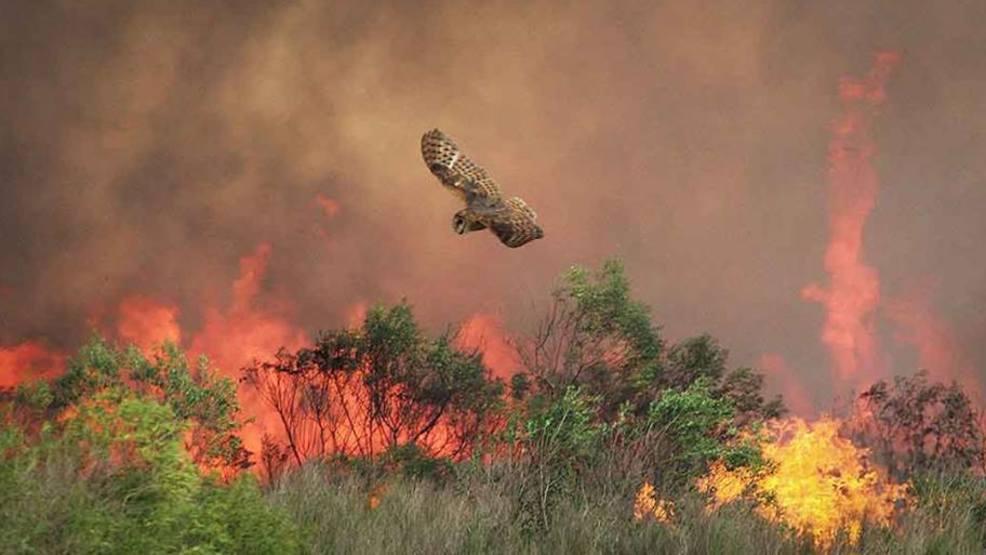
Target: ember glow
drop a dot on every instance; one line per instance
(648, 506)
(821, 484)
(853, 292)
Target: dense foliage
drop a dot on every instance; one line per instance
(196, 395)
(112, 475)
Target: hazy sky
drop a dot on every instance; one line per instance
(146, 147)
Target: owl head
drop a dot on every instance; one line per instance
(459, 224)
(463, 222)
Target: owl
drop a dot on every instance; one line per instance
(511, 220)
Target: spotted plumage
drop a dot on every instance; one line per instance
(511, 220)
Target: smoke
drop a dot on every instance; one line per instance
(146, 148)
(919, 324)
(785, 380)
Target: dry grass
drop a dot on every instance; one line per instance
(475, 514)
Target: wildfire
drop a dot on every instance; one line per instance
(852, 296)
(147, 323)
(821, 483)
(234, 337)
(252, 325)
(853, 293)
(29, 360)
(647, 505)
(485, 333)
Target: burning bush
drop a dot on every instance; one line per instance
(820, 484)
(647, 505)
(197, 395)
(361, 392)
(111, 475)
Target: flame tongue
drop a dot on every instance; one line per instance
(485, 332)
(647, 505)
(822, 484)
(29, 360)
(854, 288)
(147, 323)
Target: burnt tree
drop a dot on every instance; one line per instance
(361, 392)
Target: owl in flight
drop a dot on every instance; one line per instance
(511, 220)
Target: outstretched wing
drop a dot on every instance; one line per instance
(457, 172)
(515, 224)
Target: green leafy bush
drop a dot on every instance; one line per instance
(108, 471)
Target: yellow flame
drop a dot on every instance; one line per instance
(821, 483)
(648, 506)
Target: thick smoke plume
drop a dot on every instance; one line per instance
(154, 153)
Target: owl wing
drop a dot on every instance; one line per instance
(515, 223)
(457, 172)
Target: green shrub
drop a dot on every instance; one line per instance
(113, 477)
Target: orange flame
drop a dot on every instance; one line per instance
(234, 338)
(854, 289)
(29, 360)
(647, 505)
(147, 323)
(231, 338)
(821, 484)
(485, 333)
(254, 325)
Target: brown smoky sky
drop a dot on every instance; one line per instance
(147, 146)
